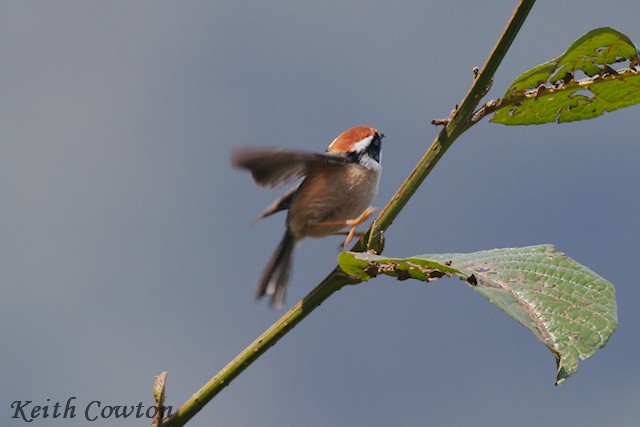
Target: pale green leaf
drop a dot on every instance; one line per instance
(565, 305)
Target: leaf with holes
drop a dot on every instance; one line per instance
(565, 305)
(598, 73)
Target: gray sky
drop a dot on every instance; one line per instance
(126, 245)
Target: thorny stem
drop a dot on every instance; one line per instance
(372, 239)
(460, 122)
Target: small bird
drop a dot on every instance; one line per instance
(336, 191)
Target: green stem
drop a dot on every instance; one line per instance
(372, 237)
(460, 122)
(332, 283)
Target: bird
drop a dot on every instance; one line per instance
(336, 190)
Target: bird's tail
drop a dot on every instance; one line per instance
(274, 277)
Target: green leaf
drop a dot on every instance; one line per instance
(565, 305)
(598, 73)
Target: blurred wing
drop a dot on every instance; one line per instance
(275, 167)
(280, 204)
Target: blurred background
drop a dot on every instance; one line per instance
(126, 247)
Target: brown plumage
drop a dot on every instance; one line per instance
(338, 187)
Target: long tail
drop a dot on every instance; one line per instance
(274, 277)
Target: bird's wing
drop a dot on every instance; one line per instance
(275, 167)
(280, 204)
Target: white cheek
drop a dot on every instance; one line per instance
(362, 144)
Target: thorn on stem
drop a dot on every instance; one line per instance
(487, 108)
(444, 122)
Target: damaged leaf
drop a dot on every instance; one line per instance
(598, 73)
(565, 305)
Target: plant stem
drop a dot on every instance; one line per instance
(460, 122)
(332, 283)
(372, 238)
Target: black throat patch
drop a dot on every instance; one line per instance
(372, 151)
